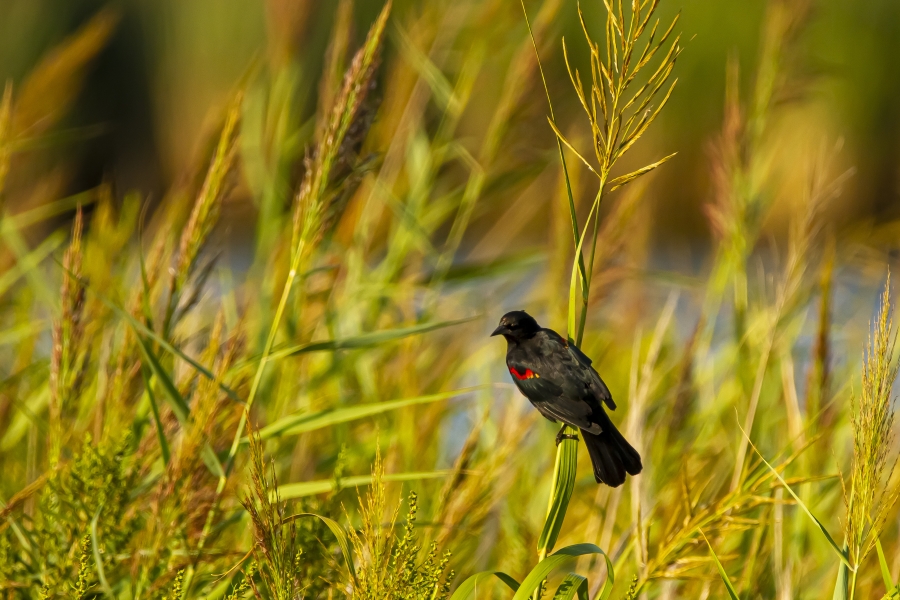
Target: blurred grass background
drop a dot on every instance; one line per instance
(740, 277)
(168, 63)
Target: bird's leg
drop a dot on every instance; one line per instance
(562, 435)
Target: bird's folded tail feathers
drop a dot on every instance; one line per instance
(611, 455)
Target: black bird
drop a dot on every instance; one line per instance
(560, 382)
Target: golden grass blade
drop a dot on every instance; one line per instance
(568, 144)
(304, 421)
(626, 179)
(885, 570)
(5, 136)
(290, 491)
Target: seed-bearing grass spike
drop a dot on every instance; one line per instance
(558, 379)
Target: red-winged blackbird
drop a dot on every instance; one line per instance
(560, 382)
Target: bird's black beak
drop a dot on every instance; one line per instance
(500, 330)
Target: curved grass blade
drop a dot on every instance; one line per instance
(364, 340)
(289, 491)
(731, 591)
(831, 542)
(338, 532)
(553, 562)
(469, 587)
(563, 486)
(304, 422)
(574, 584)
(98, 560)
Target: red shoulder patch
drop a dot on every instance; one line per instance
(528, 374)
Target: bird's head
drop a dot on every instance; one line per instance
(517, 325)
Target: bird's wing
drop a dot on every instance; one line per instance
(576, 413)
(554, 391)
(578, 370)
(597, 385)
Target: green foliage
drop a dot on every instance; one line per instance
(389, 563)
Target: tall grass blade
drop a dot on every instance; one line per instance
(179, 405)
(564, 471)
(731, 591)
(892, 588)
(842, 584)
(841, 554)
(304, 422)
(176, 401)
(98, 559)
(365, 340)
(160, 433)
(290, 491)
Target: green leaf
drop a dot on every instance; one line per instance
(841, 585)
(303, 422)
(553, 562)
(289, 491)
(338, 532)
(564, 472)
(885, 570)
(831, 542)
(469, 587)
(178, 404)
(573, 584)
(573, 282)
(160, 433)
(731, 591)
(364, 340)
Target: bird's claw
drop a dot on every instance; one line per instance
(565, 436)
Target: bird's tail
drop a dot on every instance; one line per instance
(611, 455)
